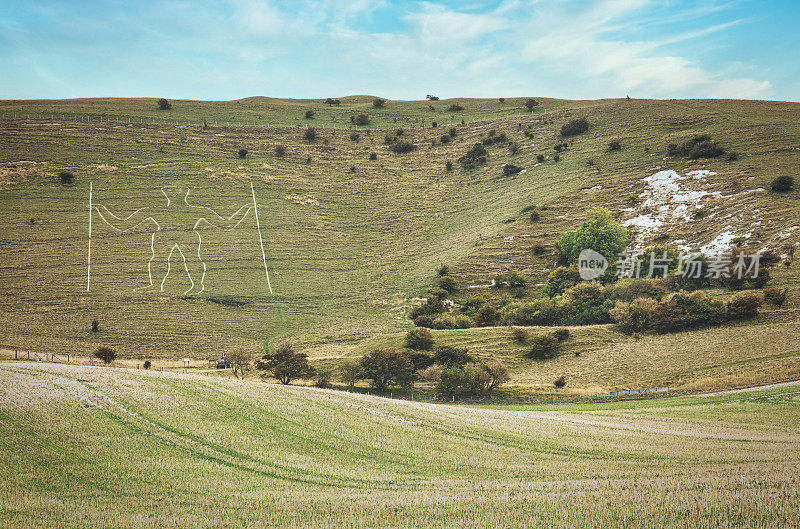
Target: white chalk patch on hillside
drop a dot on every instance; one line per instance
(667, 201)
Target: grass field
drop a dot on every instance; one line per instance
(89, 447)
(350, 241)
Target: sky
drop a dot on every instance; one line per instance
(573, 49)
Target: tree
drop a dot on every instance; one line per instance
(66, 177)
(386, 368)
(240, 362)
(309, 114)
(323, 378)
(163, 104)
(419, 339)
(286, 364)
(378, 102)
(350, 373)
(530, 104)
(600, 232)
(498, 373)
(106, 354)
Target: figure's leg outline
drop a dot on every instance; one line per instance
(186, 267)
(150, 262)
(169, 265)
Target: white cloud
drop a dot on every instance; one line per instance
(579, 43)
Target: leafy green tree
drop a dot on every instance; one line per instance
(350, 373)
(286, 364)
(387, 368)
(600, 232)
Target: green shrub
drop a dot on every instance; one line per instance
(309, 114)
(530, 104)
(446, 283)
(486, 316)
(378, 102)
(443, 270)
(463, 321)
(561, 334)
(163, 104)
(242, 153)
(373, 156)
(575, 127)
(543, 345)
(519, 335)
(700, 146)
(360, 119)
(633, 316)
(743, 305)
(560, 280)
(106, 354)
(355, 137)
(455, 107)
(423, 320)
(776, 296)
(402, 147)
(147, 364)
(310, 134)
(280, 150)
(510, 169)
(614, 145)
(560, 382)
(66, 177)
(444, 321)
(782, 184)
(419, 339)
(540, 158)
(474, 157)
(447, 355)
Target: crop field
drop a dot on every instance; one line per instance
(89, 447)
(351, 241)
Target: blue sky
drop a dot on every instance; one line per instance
(400, 50)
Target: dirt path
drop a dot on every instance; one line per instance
(755, 388)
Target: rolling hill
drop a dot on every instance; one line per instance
(350, 240)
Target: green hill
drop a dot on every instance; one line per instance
(349, 240)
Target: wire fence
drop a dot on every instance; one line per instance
(204, 123)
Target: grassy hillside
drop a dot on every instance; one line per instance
(350, 240)
(89, 447)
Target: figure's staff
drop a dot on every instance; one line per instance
(260, 238)
(89, 257)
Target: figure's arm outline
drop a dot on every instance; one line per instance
(127, 219)
(247, 206)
